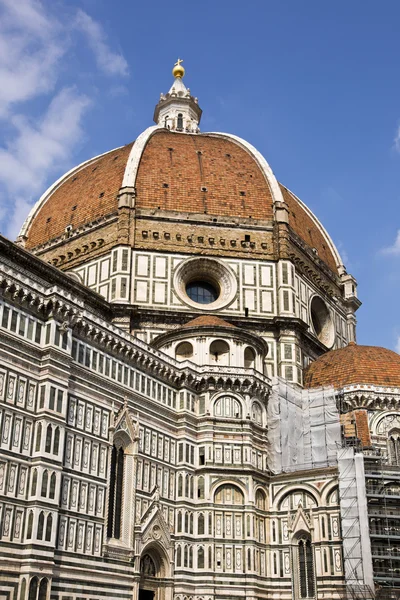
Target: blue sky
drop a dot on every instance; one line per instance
(314, 85)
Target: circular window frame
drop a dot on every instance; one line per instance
(327, 334)
(212, 271)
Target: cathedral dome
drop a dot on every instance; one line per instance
(354, 364)
(173, 169)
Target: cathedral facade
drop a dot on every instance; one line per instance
(184, 412)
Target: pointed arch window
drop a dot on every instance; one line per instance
(180, 122)
(30, 526)
(49, 528)
(56, 442)
(200, 558)
(306, 575)
(45, 481)
(49, 435)
(116, 492)
(33, 586)
(38, 437)
(34, 482)
(200, 524)
(43, 589)
(40, 526)
(53, 481)
(22, 592)
(393, 445)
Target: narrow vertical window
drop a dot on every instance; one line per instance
(30, 526)
(49, 527)
(40, 526)
(45, 481)
(53, 481)
(180, 122)
(56, 442)
(49, 435)
(34, 482)
(116, 493)
(38, 437)
(33, 586)
(306, 568)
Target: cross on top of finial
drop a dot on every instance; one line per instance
(178, 71)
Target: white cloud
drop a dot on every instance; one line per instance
(397, 139)
(30, 49)
(394, 249)
(34, 47)
(38, 149)
(108, 61)
(397, 346)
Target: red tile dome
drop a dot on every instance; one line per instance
(369, 365)
(214, 174)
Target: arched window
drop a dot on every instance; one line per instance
(30, 526)
(261, 500)
(49, 527)
(200, 488)
(190, 557)
(45, 481)
(187, 522)
(393, 445)
(229, 494)
(179, 525)
(180, 484)
(180, 122)
(33, 586)
(191, 523)
(178, 556)
(187, 486)
(40, 526)
(49, 435)
(249, 358)
(200, 524)
(210, 557)
(22, 591)
(305, 567)
(38, 437)
(256, 413)
(185, 557)
(219, 352)
(43, 589)
(200, 558)
(115, 498)
(228, 407)
(184, 351)
(34, 482)
(56, 442)
(53, 481)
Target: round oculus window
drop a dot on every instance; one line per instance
(205, 282)
(202, 292)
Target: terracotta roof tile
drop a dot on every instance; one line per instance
(192, 173)
(201, 174)
(208, 321)
(369, 365)
(86, 195)
(305, 228)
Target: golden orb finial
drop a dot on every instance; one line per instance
(178, 70)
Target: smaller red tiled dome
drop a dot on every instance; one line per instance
(369, 365)
(208, 321)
